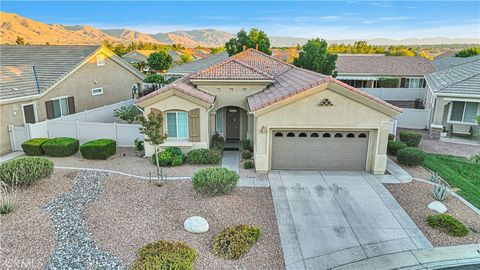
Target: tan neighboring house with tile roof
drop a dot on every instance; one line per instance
(400, 80)
(44, 82)
(296, 118)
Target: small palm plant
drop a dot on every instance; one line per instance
(8, 197)
(441, 189)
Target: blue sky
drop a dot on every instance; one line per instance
(330, 20)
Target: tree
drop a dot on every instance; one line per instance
(186, 58)
(20, 40)
(127, 113)
(154, 78)
(315, 56)
(151, 127)
(425, 55)
(159, 60)
(216, 50)
(254, 39)
(468, 52)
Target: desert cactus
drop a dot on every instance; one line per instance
(435, 178)
(440, 192)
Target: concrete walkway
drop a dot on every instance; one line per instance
(11, 156)
(397, 174)
(329, 219)
(231, 160)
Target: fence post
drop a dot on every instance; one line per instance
(12, 137)
(76, 130)
(29, 130)
(105, 113)
(115, 131)
(86, 115)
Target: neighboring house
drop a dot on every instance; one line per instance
(396, 79)
(450, 61)
(137, 56)
(45, 82)
(454, 98)
(296, 118)
(197, 65)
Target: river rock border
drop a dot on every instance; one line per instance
(75, 249)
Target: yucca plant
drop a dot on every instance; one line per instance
(8, 197)
(441, 192)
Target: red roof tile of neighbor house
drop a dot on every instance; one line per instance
(383, 65)
(287, 80)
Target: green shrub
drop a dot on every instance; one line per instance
(33, 147)
(8, 198)
(215, 181)
(391, 137)
(175, 151)
(234, 242)
(248, 164)
(218, 141)
(411, 156)
(410, 138)
(447, 224)
(98, 149)
(177, 161)
(394, 146)
(165, 255)
(60, 147)
(204, 156)
(171, 156)
(247, 145)
(246, 154)
(25, 171)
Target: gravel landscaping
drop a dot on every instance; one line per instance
(414, 198)
(27, 235)
(131, 213)
(250, 173)
(126, 160)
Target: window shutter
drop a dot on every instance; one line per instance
(158, 112)
(71, 105)
(49, 106)
(194, 125)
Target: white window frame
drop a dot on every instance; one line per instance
(97, 94)
(61, 112)
(420, 80)
(219, 114)
(176, 123)
(100, 60)
(450, 107)
(34, 111)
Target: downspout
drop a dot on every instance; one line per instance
(208, 123)
(36, 79)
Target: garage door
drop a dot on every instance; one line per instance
(319, 150)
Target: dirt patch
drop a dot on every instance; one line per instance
(27, 236)
(131, 213)
(126, 160)
(414, 198)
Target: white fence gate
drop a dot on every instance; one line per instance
(85, 126)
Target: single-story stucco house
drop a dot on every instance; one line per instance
(45, 82)
(296, 118)
(454, 97)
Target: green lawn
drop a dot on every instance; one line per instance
(460, 173)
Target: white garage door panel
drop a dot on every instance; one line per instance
(314, 150)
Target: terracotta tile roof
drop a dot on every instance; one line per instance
(383, 65)
(231, 69)
(287, 80)
(185, 86)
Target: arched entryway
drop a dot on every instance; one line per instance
(231, 122)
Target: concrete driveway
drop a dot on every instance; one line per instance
(328, 219)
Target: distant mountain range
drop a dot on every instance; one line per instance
(35, 32)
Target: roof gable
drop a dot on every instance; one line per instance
(231, 69)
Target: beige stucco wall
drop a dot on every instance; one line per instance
(176, 103)
(115, 80)
(345, 114)
(231, 94)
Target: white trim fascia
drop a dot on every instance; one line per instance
(60, 97)
(463, 100)
(456, 95)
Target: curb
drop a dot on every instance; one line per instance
(121, 173)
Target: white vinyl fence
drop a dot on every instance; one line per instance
(85, 126)
(397, 93)
(413, 118)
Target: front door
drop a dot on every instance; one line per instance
(29, 114)
(233, 124)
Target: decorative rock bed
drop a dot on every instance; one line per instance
(75, 249)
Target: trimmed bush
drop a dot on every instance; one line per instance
(391, 137)
(234, 242)
(33, 147)
(411, 156)
(410, 138)
(204, 156)
(98, 149)
(214, 181)
(247, 145)
(394, 146)
(218, 141)
(171, 156)
(248, 164)
(447, 224)
(246, 154)
(60, 147)
(165, 255)
(175, 151)
(25, 171)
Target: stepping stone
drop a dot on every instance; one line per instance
(196, 224)
(438, 207)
